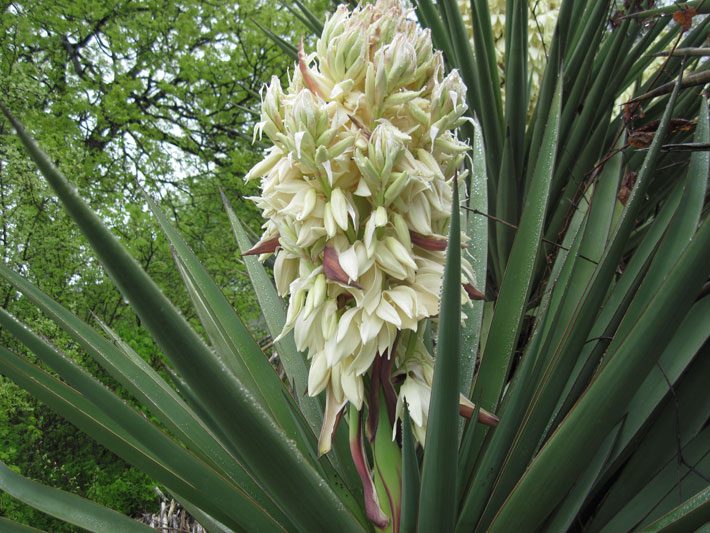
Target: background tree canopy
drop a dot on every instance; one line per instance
(126, 96)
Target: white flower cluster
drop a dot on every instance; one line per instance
(356, 193)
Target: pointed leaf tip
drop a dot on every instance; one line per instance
(428, 242)
(269, 246)
(307, 76)
(473, 292)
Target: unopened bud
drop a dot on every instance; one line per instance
(295, 305)
(339, 206)
(308, 78)
(473, 292)
(428, 242)
(402, 230)
(396, 187)
(400, 252)
(380, 217)
(466, 409)
(318, 290)
(267, 246)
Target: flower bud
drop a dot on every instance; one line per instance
(400, 62)
(308, 115)
(448, 101)
(386, 145)
(330, 319)
(295, 305)
(339, 207)
(331, 227)
(396, 187)
(264, 166)
(402, 230)
(380, 217)
(400, 252)
(345, 57)
(309, 203)
(318, 375)
(334, 27)
(318, 290)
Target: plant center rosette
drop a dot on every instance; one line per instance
(356, 193)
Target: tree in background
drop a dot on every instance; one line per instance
(128, 95)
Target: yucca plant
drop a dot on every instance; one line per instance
(570, 244)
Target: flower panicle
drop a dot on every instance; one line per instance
(356, 193)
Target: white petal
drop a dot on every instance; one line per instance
(298, 139)
(330, 416)
(363, 360)
(339, 207)
(349, 262)
(353, 388)
(362, 189)
(309, 203)
(328, 171)
(370, 327)
(329, 221)
(318, 375)
(344, 323)
(388, 313)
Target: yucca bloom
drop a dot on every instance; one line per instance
(356, 193)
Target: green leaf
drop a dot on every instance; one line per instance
(234, 345)
(142, 381)
(387, 469)
(15, 527)
(520, 389)
(662, 492)
(465, 62)
(516, 106)
(293, 361)
(274, 311)
(410, 477)
(77, 410)
(555, 468)
(205, 520)
(572, 340)
(669, 428)
(486, 58)
(306, 16)
(477, 255)
(286, 47)
(548, 84)
(518, 278)
(684, 223)
(516, 93)
(608, 319)
(121, 418)
(701, 6)
(690, 515)
(565, 514)
(65, 506)
(271, 453)
(437, 500)
(680, 353)
(550, 374)
(430, 18)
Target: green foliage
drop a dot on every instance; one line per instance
(119, 93)
(44, 447)
(592, 353)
